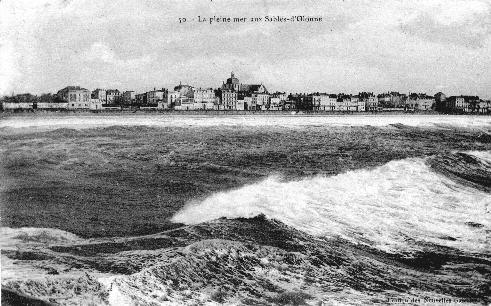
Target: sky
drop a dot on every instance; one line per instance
(360, 45)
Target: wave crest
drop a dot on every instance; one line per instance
(402, 206)
(27, 235)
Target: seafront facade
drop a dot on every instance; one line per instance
(233, 95)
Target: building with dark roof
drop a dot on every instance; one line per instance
(113, 97)
(76, 97)
(462, 104)
(420, 101)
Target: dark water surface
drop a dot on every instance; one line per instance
(124, 181)
(246, 215)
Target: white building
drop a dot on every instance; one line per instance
(361, 106)
(248, 103)
(229, 99)
(76, 97)
(484, 106)
(172, 97)
(370, 101)
(420, 101)
(353, 103)
(95, 104)
(156, 96)
(275, 104)
(260, 100)
(99, 94)
(240, 105)
(204, 99)
(328, 102)
(343, 103)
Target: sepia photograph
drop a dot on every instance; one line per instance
(245, 152)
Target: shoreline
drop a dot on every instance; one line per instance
(221, 113)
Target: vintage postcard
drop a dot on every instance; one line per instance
(245, 152)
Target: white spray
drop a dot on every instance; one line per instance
(387, 207)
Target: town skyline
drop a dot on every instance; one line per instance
(405, 46)
(219, 86)
(234, 95)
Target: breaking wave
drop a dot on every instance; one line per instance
(484, 156)
(402, 206)
(83, 121)
(11, 237)
(425, 220)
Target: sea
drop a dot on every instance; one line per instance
(156, 209)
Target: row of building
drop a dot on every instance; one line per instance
(233, 95)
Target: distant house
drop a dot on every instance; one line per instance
(421, 102)
(383, 99)
(76, 97)
(141, 99)
(315, 99)
(280, 95)
(370, 101)
(484, 106)
(240, 105)
(361, 104)
(299, 101)
(204, 99)
(355, 105)
(172, 97)
(229, 99)
(327, 102)
(392, 99)
(277, 100)
(156, 97)
(185, 98)
(343, 103)
(95, 104)
(261, 100)
(275, 103)
(113, 96)
(129, 97)
(248, 103)
(290, 105)
(99, 94)
(462, 104)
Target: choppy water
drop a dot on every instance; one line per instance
(396, 217)
(411, 228)
(382, 207)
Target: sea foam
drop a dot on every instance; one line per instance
(11, 237)
(40, 123)
(402, 206)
